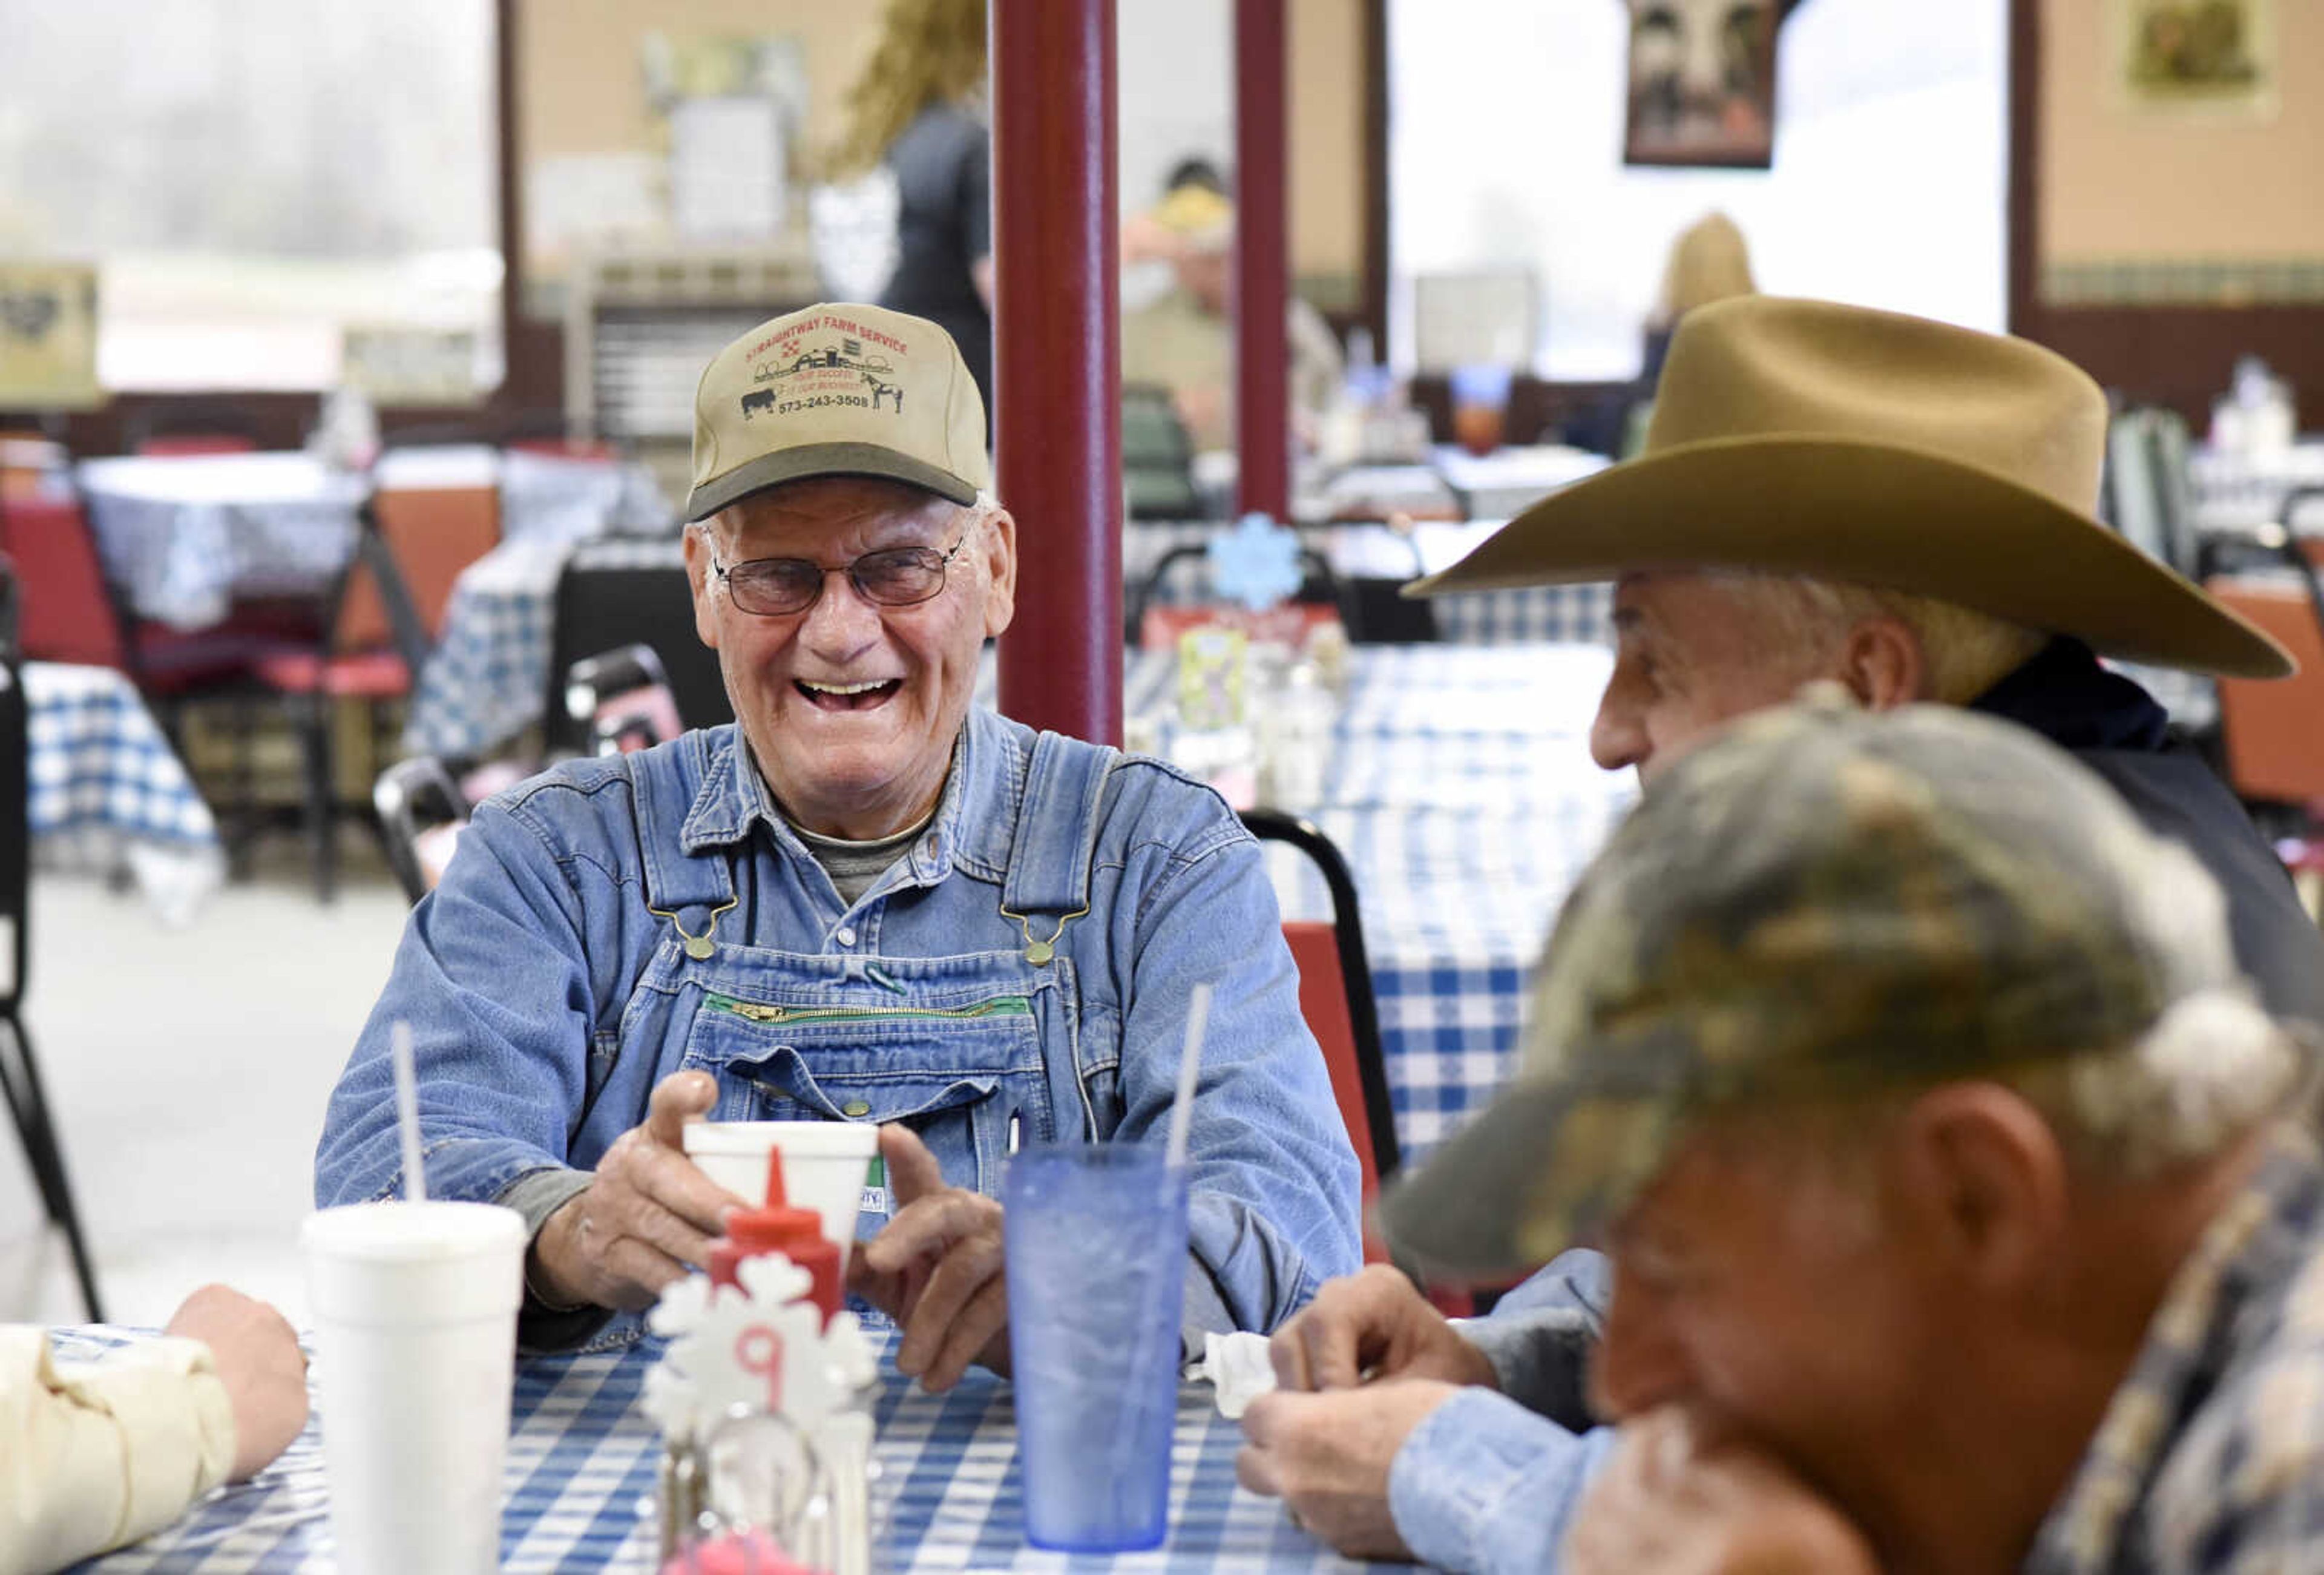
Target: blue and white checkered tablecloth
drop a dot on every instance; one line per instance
(579, 1483)
(105, 790)
(186, 535)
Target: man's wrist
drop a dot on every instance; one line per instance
(543, 1285)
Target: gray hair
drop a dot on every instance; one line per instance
(1964, 652)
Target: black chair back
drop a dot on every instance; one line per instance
(629, 593)
(19, 1073)
(1355, 971)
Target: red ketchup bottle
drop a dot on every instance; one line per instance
(795, 1233)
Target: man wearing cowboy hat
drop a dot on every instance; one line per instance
(1826, 492)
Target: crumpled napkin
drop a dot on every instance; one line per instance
(1237, 1366)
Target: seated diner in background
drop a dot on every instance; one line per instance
(96, 1455)
(865, 900)
(2006, 1256)
(1828, 493)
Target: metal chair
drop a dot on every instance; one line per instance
(420, 810)
(1335, 996)
(20, 1077)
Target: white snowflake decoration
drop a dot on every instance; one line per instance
(764, 1347)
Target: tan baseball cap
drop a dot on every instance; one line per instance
(837, 390)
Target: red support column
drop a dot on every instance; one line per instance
(1057, 359)
(1262, 272)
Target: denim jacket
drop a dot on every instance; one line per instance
(550, 984)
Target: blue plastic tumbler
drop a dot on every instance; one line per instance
(1095, 1238)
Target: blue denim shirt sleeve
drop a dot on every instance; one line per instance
(1275, 1188)
(491, 973)
(1484, 1484)
(1538, 1336)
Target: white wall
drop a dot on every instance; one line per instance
(1889, 186)
(1175, 90)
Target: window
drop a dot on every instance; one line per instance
(1889, 187)
(257, 180)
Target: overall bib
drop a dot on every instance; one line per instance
(973, 1050)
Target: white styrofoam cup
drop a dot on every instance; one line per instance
(415, 1310)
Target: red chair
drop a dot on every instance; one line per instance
(1335, 996)
(72, 613)
(356, 658)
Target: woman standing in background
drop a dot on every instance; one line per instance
(918, 109)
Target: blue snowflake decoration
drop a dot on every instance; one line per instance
(1257, 563)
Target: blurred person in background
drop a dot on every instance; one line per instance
(1183, 340)
(919, 108)
(95, 1455)
(1708, 261)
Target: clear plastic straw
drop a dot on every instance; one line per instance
(1190, 1063)
(407, 1112)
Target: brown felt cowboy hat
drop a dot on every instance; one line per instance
(1802, 436)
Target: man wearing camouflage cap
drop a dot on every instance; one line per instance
(1965, 1212)
(866, 900)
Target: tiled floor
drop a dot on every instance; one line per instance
(188, 1070)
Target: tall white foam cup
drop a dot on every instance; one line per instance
(826, 1166)
(415, 1310)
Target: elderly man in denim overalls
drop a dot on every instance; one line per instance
(865, 901)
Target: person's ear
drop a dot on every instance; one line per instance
(1882, 665)
(697, 576)
(1984, 1184)
(1000, 550)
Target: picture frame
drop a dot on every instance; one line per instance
(2198, 57)
(1701, 88)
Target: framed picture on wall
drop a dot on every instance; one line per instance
(2201, 55)
(1702, 83)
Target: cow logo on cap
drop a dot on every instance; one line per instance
(813, 371)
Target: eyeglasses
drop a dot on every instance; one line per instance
(896, 577)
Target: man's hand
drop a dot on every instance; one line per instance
(1374, 1323)
(1679, 1501)
(258, 1359)
(650, 1213)
(936, 1269)
(1327, 1456)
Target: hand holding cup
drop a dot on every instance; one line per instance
(647, 1216)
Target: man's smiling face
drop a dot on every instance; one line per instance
(851, 707)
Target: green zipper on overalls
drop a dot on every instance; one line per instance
(1000, 1005)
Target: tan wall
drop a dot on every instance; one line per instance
(2119, 184)
(578, 87)
(1326, 152)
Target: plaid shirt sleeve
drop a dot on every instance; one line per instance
(2243, 1492)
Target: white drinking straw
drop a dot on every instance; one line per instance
(407, 1112)
(1190, 1062)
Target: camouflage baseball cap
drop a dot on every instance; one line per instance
(1821, 901)
(837, 390)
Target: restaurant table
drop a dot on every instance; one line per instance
(2236, 491)
(579, 1481)
(1362, 551)
(185, 535)
(106, 791)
